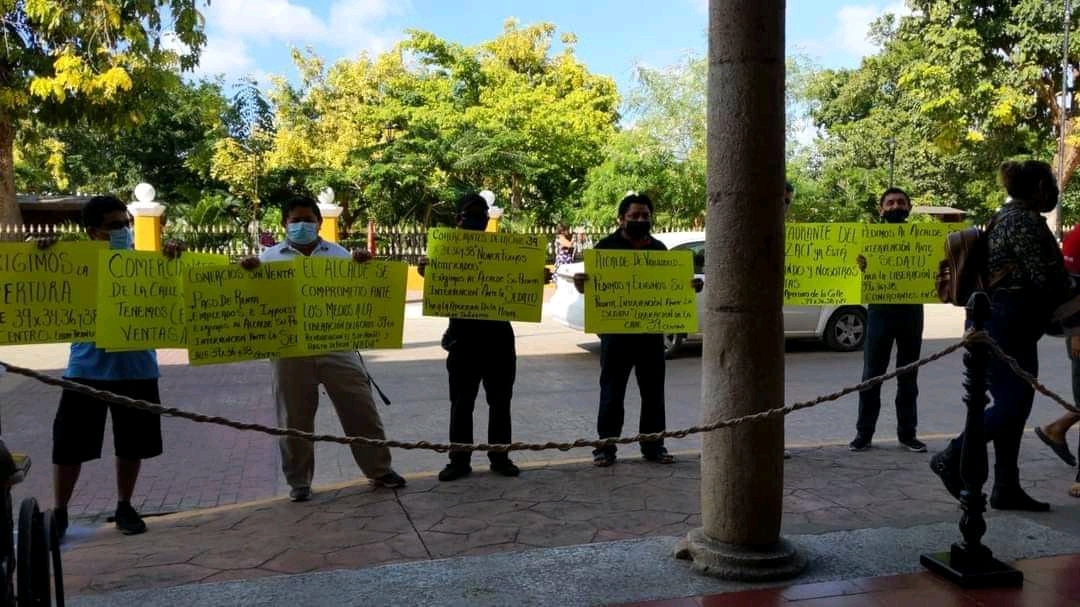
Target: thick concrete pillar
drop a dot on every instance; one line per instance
(742, 468)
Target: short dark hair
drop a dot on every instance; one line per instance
(790, 189)
(630, 199)
(299, 202)
(469, 199)
(890, 192)
(95, 210)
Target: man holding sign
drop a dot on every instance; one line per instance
(886, 324)
(296, 380)
(641, 352)
(79, 427)
(479, 351)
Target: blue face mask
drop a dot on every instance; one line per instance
(121, 239)
(302, 232)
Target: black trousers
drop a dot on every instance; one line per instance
(619, 354)
(887, 325)
(493, 364)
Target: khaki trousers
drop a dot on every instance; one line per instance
(296, 393)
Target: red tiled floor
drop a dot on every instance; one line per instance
(820, 590)
(772, 597)
(1048, 582)
(685, 602)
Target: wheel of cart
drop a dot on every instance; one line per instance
(38, 553)
(30, 565)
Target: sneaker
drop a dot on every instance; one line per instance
(299, 494)
(603, 459)
(658, 456)
(914, 445)
(860, 443)
(128, 521)
(505, 467)
(787, 454)
(454, 471)
(60, 522)
(390, 480)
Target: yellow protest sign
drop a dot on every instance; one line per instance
(346, 305)
(484, 275)
(902, 262)
(236, 314)
(140, 299)
(49, 295)
(820, 262)
(640, 292)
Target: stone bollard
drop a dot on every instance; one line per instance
(969, 563)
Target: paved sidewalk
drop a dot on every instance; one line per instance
(569, 503)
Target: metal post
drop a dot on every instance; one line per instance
(969, 563)
(1055, 215)
(892, 159)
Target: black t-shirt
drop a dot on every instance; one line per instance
(616, 241)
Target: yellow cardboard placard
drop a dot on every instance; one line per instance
(484, 275)
(236, 314)
(639, 292)
(140, 299)
(50, 295)
(820, 264)
(346, 305)
(902, 262)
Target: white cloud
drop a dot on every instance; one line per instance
(355, 25)
(227, 56)
(266, 20)
(235, 27)
(853, 27)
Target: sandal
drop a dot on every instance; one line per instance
(1061, 449)
(603, 459)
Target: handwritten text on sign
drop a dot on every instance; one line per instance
(236, 314)
(640, 292)
(472, 274)
(820, 262)
(346, 305)
(140, 303)
(48, 296)
(902, 262)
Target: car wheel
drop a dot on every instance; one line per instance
(846, 330)
(673, 342)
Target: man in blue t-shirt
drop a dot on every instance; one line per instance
(79, 427)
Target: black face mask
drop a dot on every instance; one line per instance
(637, 230)
(895, 215)
(473, 222)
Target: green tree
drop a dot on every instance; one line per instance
(403, 136)
(960, 85)
(63, 60)
(170, 146)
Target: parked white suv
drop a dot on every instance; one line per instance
(841, 328)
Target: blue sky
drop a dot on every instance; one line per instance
(254, 37)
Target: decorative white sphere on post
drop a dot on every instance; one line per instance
(488, 197)
(144, 192)
(326, 196)
(495, 212)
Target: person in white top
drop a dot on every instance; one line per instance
(296, 380)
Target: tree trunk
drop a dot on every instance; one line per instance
(9, 206)
(742, 476)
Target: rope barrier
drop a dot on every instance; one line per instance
(970, 338)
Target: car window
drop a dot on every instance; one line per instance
(698, 250)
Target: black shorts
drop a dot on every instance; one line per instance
(79, 427)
